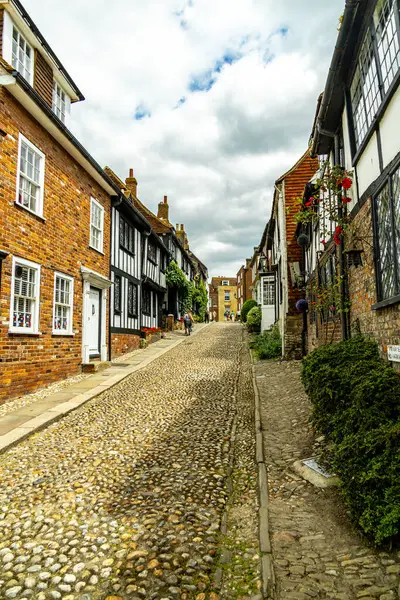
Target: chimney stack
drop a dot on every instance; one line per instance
(131, 183)
(163, 210)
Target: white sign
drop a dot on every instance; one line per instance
(394, 353)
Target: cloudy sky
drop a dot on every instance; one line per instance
(209, 101)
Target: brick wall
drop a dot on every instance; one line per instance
(123, 343)
(382, 324)
(294, 183)
(59, 242)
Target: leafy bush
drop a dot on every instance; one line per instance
(355, 399)
(268, 345)
(247, 306)
(254, 319)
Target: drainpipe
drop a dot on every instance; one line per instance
(342, 257)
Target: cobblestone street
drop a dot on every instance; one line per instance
(316, 551)
(124, 497)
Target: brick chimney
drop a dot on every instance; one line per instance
(131, 183)
(163, 210)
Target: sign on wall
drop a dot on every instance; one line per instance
(394, 353)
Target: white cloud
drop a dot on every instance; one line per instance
(217, 153)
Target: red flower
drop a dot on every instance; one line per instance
(337, 234)
(308, 203)
(323, 242)
(346, 199)
(346, 183)
(322, 188)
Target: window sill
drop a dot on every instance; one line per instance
(20, 206)
(387, 302)
(26, 333)
(131, 316)
(59, 334)
(153, 262)
(95, 249)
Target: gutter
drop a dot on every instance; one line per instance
(336, 63)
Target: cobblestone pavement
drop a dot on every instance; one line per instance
(317, 553)
(124, 497)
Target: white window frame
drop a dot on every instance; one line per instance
(69, 331)
(8, 32)
(58, 90)
(35, 313)
(94, 202)
(23, 140)
(227, 296)
(225, 282)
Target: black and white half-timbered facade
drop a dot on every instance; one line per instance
(154, 286)
(357, 127)
(130, 231)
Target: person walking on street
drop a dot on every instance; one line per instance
(187, 321)
(206, 317)
(232, 316)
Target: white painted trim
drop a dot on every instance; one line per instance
(28, 330)
(21, 139)
(71, 280)
(67, 102)
(8, 26)
(94, 201)
(93, 279)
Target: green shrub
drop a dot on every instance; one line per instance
(267, 345)
(247, 306)
(254, 319)
(329, 374)
(355, 398)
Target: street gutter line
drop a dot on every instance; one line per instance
(267, 569)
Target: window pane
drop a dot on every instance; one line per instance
(386, 257)
(387, 40)
(396, 217)
(365, 94)
(24, 296)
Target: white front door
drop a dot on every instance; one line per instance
(94, 322)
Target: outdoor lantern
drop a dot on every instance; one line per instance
(354, 258)
(303, 239)
(262, 263)
(302, 305)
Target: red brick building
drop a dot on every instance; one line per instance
(244, 284)
(54, 220)
(285, 254)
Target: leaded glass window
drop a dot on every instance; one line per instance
(117, 293)
(152, 252)
(146, 301)
(387, 40)
(126, 236)
(268, 291)
(132, 299)
(387, 211)
(377, 65)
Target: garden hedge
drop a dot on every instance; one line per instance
(355, 398)
(247, 306)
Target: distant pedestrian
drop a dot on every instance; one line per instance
(206, 317)
(232, 316)
(187, 321)
(214, 316)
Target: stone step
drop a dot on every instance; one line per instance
(95, 366)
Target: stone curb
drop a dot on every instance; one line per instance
(59, 411)
(267, 570)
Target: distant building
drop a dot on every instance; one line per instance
(244, 281)
(223, 297)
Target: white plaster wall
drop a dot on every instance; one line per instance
(390, 129)
(368, 166)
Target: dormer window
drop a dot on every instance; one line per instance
(22, 55)
(61, 102)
